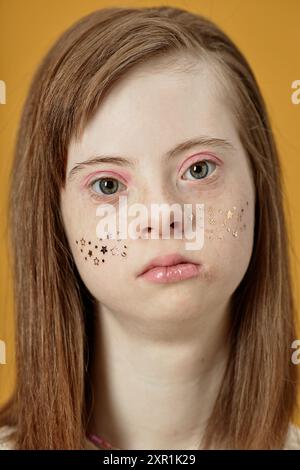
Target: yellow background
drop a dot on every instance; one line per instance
(266, 31)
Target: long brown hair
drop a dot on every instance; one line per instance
(50, 406)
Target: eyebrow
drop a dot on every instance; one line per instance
(212, 142)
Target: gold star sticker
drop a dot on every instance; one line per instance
(229, 215)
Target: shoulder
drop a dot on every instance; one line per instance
(5, 441)
(293, 438)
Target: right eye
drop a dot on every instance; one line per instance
(106, 186)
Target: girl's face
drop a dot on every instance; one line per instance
(144, 116)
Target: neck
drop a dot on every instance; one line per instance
(154, 387)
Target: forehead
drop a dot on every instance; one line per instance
(157, 104)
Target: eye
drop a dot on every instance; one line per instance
(107, 186)
(199, 170)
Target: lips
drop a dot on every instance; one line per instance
(169, 268)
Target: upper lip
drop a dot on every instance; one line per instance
(167, 260)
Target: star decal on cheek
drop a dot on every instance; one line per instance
(85, 245)
(115, 250)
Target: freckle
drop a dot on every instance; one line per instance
(85, 258)
(242, 210)
(81, 250)
(247, 203)
(89, 243)
(77, 242)
(103, 261)
(244, 225)
(125, 246)
(96, 246)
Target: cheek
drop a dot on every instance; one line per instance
(228, 240)
(89, 251)
(103, 265)
(99, 261)
(96, 258)
(228, 222)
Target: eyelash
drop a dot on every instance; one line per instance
(98, 196)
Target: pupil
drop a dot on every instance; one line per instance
(197, 170)
(107, 185)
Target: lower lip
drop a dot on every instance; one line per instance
(178, 272)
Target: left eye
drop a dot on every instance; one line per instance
(199, 170)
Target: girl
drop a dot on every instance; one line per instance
(139, 343)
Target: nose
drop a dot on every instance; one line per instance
(163, 221)
(163, 215)
(157, 230)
